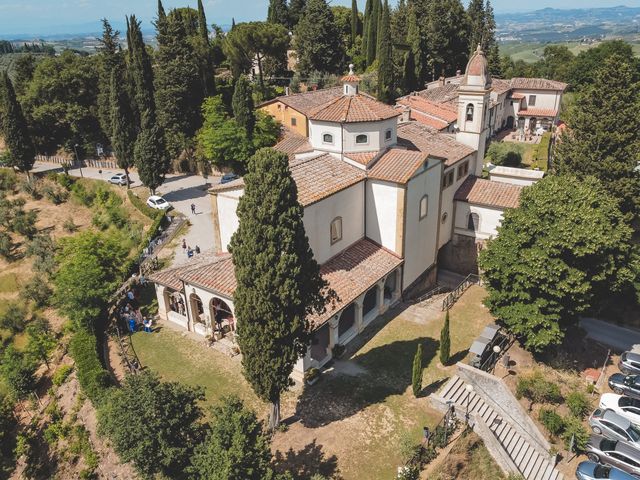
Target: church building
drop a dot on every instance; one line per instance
(386, 199)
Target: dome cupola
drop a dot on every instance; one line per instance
(477, 74)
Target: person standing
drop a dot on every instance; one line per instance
(184, 245)
(197, 249)
(193, 208)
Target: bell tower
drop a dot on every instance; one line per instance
(473, 107)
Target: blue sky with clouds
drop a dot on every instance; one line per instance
(17, 16)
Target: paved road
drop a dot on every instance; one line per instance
(181, 190)
(618, 338)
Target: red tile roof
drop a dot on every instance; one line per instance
(489, 193)
(537, 84)
(292, 143)
(363, 158)
(350, 78)
(397, 165)
(353, 109)
(170, 277)
(352, 272)
(306, 101)
(416, 136)
(517, 96)
(538, 112)
(218, 276)
(499, 85)
(443, 111)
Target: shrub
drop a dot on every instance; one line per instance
(541, 154)
(578, 403)
(8, 180)
(38, 291)
(61, 374)
(6, 245)
(14, 317)
(93, 378)
(64, 180)
(141, 206)
(69, 226)
(31, 188)
(18, 372)
(574, 428)
(537, 389)
(43, 248)
(506, 154)
(55, 194)
(24, 222)
(553, 422)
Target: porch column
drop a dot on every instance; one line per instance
(187, 310)
(333, 331)
(380, 296)
(162, 304)
(359, 316)
(398, 290)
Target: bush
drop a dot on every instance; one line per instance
(43, 248)
(31, 188)
(24, 222)
(61, 374)
(541, 154)
(18, 372)
(82, 195)
(14, 317)
(505, 154)
(55, 194)
(578, 403)
(93, 378)
(6, 245)
(574, 428)
(8, 180)
(38, 291)
(69, 226)
(553, 422)
(141, 206)
(62, 179)
(537, 389)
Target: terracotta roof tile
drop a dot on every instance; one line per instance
(537, 84)
(319, 177)
(352, 109)
(218, 276)
(352, 272)
(397, 165)
(443, 111)
(363, 158)
(499, 85)
(517, 96)
(486, 192)
(292, 143)
(306, 101)
(350, 78)
(442, 94)
(538, 112)
(416, 136)
(170, 277)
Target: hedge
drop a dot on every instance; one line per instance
(93, 378)
(541, 154)
(145, 209)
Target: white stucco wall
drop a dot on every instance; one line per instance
(227, 217)
(206, 298)
(446, 227)
(420, 236)
(374, 130)
(382, 213)
(317, 131)
(490, 220)
(544, 98)
(348, 204)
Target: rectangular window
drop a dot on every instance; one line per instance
(294, 122)
(447, 180)
(532, 100)
(336, 230)
(424, 207)
(387, 135)
(463, 170)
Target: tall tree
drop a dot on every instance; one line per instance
(491, 45)
(447, 36)
(317, 40)
(207, 66)
(409, 80)
(385, 58)
(15, 130)
(354, 22)
(141, 73)
(151, 157)
(23, 69)
(279, 282)
(416, 39)
(477, 28)
(372, 31)
(368, 8)
(564, 252)
(242, 104)
(178, 84)
(109, 59)
(158, 435)
(18, 372)
(123, 128)
(296, 7)
(445, 341)
(416, 380)
(603, 135)
(278, 12)
(236, 448)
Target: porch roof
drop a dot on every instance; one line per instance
(171, 277)
(218, 276)
(538, 112)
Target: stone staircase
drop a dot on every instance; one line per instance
(519, 453)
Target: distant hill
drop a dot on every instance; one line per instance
(621, 14)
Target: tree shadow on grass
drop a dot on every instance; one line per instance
(308, 461)
(388, 371)
(433, 387)
(458, 357)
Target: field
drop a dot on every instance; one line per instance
(532, 52)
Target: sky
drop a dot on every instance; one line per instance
(29, 16)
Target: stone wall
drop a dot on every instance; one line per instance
(424, 283)
(460, 255)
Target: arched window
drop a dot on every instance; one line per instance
(327, 138)
(362, 138)
(470, 112)
(473, 222)
(336, 230)
(424, 206)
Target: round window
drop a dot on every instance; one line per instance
(444, 217)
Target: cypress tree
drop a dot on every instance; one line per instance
(141, 74)
(445, 341)
(354, 21)
(416, 382)
(477, 34)
(151, 157)
(233, 23)
(385, 60)
(207, 65)
(124, 132)
(368, 8)
(491, 47)
(416, 42)
(109, 59)
(278, 281)
(15, 129)
(242, 104)
(296, 8)
(409, 80)
(162, 16)
(278, 12)
(372, 31)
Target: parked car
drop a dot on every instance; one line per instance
(619, 454)
(614, 426)
(228, 177)
(120, 179)
(157, 202)
(626, 406)
(592, 471)
(629, 363)
(625, 384)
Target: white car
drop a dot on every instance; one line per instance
(119, 179)
(626, 407)
(159, 203)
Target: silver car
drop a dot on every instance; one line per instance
(593, 471)
(619, 454)
(614, 426)
(629, 363)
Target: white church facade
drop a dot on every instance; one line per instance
(384, 200)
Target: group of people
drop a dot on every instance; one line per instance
(190, 252)
(130, 313)
(177, 306)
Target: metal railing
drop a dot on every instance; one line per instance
(504, 344)
(429, 294)
(457, 292)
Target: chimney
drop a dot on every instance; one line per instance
(406, 114)
(441, 80)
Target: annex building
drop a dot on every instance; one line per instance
(387, 199)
